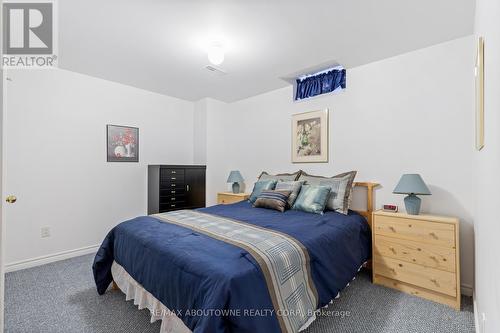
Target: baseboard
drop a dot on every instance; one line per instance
(466, 290)
(15, 266)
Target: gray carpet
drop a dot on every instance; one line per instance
(61, 297)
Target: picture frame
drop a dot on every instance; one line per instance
(310, 137)
(479, 73)
(122, 143)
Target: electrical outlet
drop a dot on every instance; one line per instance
(45, 232)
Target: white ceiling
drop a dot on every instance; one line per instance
(160, 45)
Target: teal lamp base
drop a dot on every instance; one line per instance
(236, 188)
(412, 204)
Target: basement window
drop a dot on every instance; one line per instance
(319, 83)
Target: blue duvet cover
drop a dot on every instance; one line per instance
(200, 277)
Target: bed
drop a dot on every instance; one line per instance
(200, 271)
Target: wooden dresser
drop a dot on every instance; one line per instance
(229, 197)
(173, 187)
(417, 254)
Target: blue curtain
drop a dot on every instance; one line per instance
(320, 84)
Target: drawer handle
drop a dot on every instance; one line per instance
(392, 250)
(172, 205)
(433, 235)
(172, 191)
(435, 282)
(433, 258)
(392, 228)
(400, 265)
(173, 185)
(173, 171)
(173, 178)
(172, 199)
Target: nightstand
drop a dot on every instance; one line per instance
(229, 197)
(417, 254)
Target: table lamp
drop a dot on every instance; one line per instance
(235, 178)
(412, 184)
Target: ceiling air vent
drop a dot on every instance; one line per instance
(215, 70)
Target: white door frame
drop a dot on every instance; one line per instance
(2, 220)
(2, 210)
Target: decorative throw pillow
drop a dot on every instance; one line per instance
(312, 199)
(280, 176)
(340, 189)
(260, 186)
(272, 199)
(292, 186)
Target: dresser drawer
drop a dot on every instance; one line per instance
(416, 230)
(172, 206)
(172, 185)
(426, 277)
(172, 191)
(417, 291)
(173, 179)
(171, 172)
(424, 254)
(172, 199)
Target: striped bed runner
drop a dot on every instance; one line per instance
(283, 260)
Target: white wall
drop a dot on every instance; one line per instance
(486, 225)
(55, 157)
(200, 132)
(410, 113)
(222, 138)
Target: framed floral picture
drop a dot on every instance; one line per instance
(122, 143)
(310, 137)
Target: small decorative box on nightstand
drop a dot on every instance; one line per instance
(229, 197)
(417, 254)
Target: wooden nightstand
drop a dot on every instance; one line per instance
(229, 197)
(417, 254)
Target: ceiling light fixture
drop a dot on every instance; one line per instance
(216, 53)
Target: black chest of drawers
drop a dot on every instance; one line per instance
(173, 187)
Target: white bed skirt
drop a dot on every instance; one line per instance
(170, 323)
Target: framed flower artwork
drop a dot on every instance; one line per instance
(122, 143)
(310, 137)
